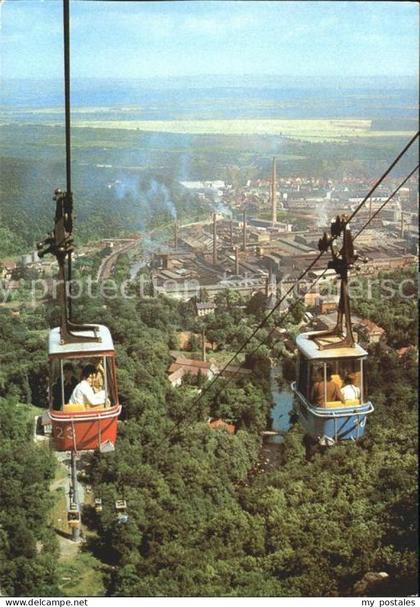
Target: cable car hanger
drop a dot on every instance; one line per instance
(341, 262)
(60, 241)
(317, 279)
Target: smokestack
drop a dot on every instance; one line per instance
(214, 240)
(203, 345)
(244, 232)
(269, 282)
(231, 232)
(402, 224)
(237, 261)
(176, 235)
(273, 194)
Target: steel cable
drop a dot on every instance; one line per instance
(291, 289)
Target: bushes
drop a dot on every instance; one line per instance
(27, 553)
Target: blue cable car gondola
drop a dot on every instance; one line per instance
(330, 389)
(330, 421)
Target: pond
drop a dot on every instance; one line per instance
(283, 404)
(270, 456)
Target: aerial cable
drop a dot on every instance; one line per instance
(299, 299)
(311, 265)
(233, 375)
(386, 202)
(308, 269)
(263, 322)
(286, 295)
(281, 319)
(67, 116)
(380, 180)
(66, 30)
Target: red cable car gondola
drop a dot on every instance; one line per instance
(83, 415)
(82, 426)
(83, 398)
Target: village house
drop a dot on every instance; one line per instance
(12, 285)
(219, 424)
(8, 269)
(204, 308)
(310, 299)
(406, 350)
(327, 304)
(369, 331)
(235, 371)
(183, 366)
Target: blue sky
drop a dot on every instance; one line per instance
(146, 39)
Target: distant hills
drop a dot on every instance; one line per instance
(32, 142)
(218, 97)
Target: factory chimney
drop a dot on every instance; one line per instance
(203, 345)
(237, 261)
(214, 240)
(244, 232)
(273, 194)
(402, 224)
(231, 232)
(176, 236)
(269, 283)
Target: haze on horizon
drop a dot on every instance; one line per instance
(145, 40)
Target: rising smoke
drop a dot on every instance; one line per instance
(323, 214)
(149, 196)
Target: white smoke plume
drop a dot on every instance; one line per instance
(323, 214)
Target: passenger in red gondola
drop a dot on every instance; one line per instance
(328, 391)
(66, 389)
(83, 393)
(99, 381)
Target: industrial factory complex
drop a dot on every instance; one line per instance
(257, 237)
(261, 236)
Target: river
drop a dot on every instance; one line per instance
(282, 406)
(283, 403)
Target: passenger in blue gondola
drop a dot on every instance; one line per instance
(64, 388)
(325, 391)
(84, 393)
(350, 391)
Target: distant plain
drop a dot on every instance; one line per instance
(304, 130)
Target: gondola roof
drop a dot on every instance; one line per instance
(310, 348)
(56, 348)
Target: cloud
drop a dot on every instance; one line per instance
(1, 7)
(215, 24)
(148, 20)
(34, 18)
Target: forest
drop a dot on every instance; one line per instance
(125, 181)
(203, 519)
(130, 201)
(397, 316)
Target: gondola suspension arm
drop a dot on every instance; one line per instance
(60, 241)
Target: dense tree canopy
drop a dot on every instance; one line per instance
(202, 518)
(27, 545)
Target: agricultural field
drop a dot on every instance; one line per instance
(304, 130)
